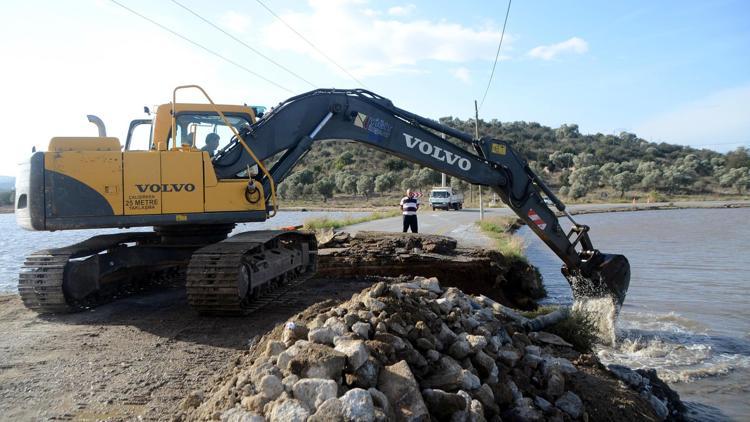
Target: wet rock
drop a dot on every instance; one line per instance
(627, 375)
(549, 338)
(317, 361)
(312, 392)
(357, 405)
(399, 386)
(288, 411)
(362, 329)
(330, 411)
(571, 404)
(270, 386)
(355, 351)
(321, 335)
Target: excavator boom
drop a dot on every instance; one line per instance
(293, 126)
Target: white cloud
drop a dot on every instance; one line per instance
(573, 45)
(404, 10)
(368, 45)
(719, 121)
(237, 22)
(462, 74)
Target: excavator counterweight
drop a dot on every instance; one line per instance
(193, 197)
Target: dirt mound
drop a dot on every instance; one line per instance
(510, 281)
(414, 351)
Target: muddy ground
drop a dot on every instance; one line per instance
(137, 357)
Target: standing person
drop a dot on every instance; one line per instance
(409, 207)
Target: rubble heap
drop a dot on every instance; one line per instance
(414, 351)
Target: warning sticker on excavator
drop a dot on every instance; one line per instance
(498, 149)
(536, 219)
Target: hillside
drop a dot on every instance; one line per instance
(577, 165)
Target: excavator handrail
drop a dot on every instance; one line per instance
(239, 138)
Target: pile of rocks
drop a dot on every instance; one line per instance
(404, 351)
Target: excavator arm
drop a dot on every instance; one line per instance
(292, 127)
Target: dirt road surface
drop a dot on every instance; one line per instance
(135, 358)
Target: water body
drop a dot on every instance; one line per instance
(687, 312)
(16, 243)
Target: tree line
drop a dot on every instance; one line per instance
(574, 164)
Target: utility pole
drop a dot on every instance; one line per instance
(476, 136)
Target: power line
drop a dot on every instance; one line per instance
(208, 50)
(311, 44)
(243, 43)
(497, 55)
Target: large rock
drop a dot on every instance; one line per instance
(459, 349)
(549, 338)
(317, 361)
(288, 411)
(294, 331)
(560, 364)
(571, 404)
(357, 405)
(443, 405)
(355, 351)
(330, 411)
(398, 384)
(321, 335)
(366, 376)
(312, 392)
(270, 386)
(629, 376)
(555, 384)
(237, 414)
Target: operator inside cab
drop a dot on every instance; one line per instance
(212, 144)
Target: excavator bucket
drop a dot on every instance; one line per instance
(602, 275)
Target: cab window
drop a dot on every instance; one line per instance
(207, 132)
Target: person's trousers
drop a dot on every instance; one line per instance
(410, 222)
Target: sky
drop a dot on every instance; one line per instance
(671, 71)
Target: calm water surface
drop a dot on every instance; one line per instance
(687, 312)
(16, 243)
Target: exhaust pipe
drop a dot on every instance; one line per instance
(99, 124)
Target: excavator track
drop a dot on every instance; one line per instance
(96, 271)
(249, 271)
(40, 283)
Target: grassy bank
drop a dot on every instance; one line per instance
(321, 223)
(501, 229)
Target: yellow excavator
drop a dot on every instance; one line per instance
(207, 167)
